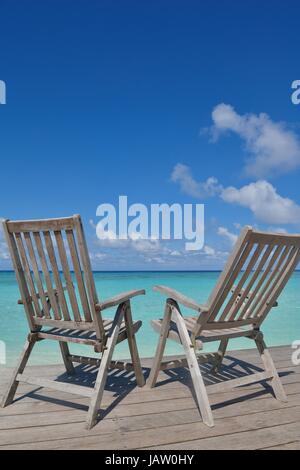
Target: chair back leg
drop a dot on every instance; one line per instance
(270, 367)
(220, 356)
(160, 346)
(64, 348)
(140, 379)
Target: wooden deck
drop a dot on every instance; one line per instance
(162, 418)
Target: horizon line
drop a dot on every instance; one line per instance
(136, 271)
(143, 271)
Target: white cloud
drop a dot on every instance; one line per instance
(260, 197)
(224, 232)
(209, 251)
(97, 256)
(175, 253)
(92, 224)
(265, 203)
(156, 259)
(145, 245)
(272, 147)
(277, 229)
(110, 239)
(182, 175)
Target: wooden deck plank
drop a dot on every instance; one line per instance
(56, 401)
(295, 445)
(237, 432)
(165, 377)
(250, 440)
(248, 417)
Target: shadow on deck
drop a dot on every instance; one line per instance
(246, 417)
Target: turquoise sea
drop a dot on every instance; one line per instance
(282, 326)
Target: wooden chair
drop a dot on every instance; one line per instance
(48, 255)
(253, 278)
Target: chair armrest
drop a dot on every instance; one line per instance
(119, 299)
(180, 298)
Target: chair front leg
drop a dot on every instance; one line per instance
(164, 332)
(221, 353)
(198, 383)
(13, 385)
(140, 379)
(104, 366)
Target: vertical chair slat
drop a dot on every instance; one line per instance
(20, 277)
(246, 309)
(27, 272)
(78, 274)
(45, 270)
(234, 304)
(291, 266)
(37, 275)
(89, 279)
(232, 277)
(67, 274)
(276, 277)
(257, 272)
(236, 252)
(58, 283)
(265, 286)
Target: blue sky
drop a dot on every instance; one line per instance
(106, 98)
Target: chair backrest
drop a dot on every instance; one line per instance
(254, 276)
(53, 270)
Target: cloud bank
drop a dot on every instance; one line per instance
(271, 146)
(265, 203)
(261, 197)
(182, 175)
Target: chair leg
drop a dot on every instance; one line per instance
(221, 353)
(270, 367)
(198, 383)
(64, 348)
(140, 379)
(13, 384)
(160, 347)
(103, 369)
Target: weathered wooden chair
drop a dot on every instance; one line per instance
(47, 255)
(253, 278)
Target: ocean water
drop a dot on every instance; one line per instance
(281, 327)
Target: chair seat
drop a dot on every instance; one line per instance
(84, 336)
(205, 335)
